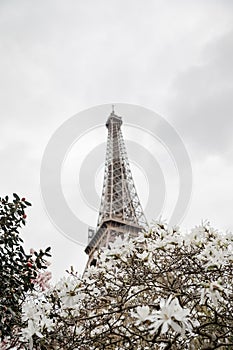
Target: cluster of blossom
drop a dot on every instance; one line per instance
(170, 314)
(34, 311)
(157, 289)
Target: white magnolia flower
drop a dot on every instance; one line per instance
(197, 236)
(66, 284)
(70, 299)
(142, 314)
(212, 292)
(143, 255)
(170, 312)
(213, 255)
(140, 238)
(29, 310)
(128, 247)
(46, 322)
(68, 289)
(91, 270)
(29, 331)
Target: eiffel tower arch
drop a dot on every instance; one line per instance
(120, 209)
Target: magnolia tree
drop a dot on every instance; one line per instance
(20, 272)
(160, 290)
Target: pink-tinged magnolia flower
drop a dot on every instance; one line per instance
(43, 279)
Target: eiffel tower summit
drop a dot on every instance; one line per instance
(120, 209)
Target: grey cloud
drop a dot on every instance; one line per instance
(203, 101)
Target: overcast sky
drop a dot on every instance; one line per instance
(58, 58)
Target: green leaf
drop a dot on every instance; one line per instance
(16, 196)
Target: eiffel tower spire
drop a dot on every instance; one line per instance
(120, 209)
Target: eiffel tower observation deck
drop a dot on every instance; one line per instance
(120, 209)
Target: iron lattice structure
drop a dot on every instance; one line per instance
(120, 209)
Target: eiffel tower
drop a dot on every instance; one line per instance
(120, 209)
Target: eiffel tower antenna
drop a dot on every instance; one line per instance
(120, 209)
